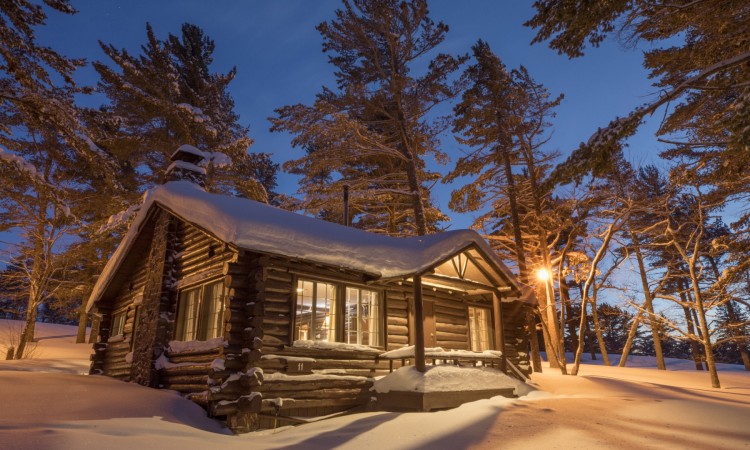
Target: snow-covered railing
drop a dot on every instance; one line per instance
(438, 355)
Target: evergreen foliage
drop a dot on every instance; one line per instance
(699, 61)
(168, 96)
(374, 132)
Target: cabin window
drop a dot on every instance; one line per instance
(316, 311)
(363, 318)
(118, 323)
(200, 312)
(480, 328)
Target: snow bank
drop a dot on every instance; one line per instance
(441, 353)
(196, 346)
(340, 346)
(267, 229)
(444, 378)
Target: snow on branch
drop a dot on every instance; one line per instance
(196, 113)
(21, 164)
(25, 167)
(121, 218)
(217, 159)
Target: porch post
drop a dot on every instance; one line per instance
(418, 325)
(499, 331)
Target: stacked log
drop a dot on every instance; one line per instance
(235, 380)
(308, 382)
(397, 313)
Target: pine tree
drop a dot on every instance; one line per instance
(46, 156)
(503, 119)
(487, 119)
(168, 96)
(41, 207)
(374, 131)
(699, 60)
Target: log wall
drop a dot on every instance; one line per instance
(112, 354)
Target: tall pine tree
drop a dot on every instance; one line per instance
(168, 96)
(375, 131)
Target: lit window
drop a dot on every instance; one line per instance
(480, 328)
(200, 312)
(362, 318)
(316, 311)
(118, 323)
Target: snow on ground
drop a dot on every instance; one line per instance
(444, 378)
(610, 407)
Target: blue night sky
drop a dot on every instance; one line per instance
(279, 61)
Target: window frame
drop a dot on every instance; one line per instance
(336, 310)
(118, 324)
(340, 292)
(201, 327)
(490, 326)
(381, 314)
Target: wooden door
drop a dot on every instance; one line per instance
(430, 335)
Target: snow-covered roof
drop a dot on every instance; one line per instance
(266, 229)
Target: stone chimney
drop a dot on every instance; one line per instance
(185, 166)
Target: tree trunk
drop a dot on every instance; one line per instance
(648, 304)
(737, 333)
(570, 316)
(590, 338)
(629, 341)
(581, 337)
(536, 357)
(523, 272)
(587, 334)
(555, 352)
(27, 335)
(548, 311)
(598, 331)
(694, 347)
(703, 322)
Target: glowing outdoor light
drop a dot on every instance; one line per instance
(543, 274)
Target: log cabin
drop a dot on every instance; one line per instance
(260, 314)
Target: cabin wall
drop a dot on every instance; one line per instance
(449, 318)
(113, 354)
(116, 360)
(397, 318)
(306, 382)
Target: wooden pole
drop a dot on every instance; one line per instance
(499, 331)
(418, 325)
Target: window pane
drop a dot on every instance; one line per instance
(212, 311)
(350, 316)
(480, 326)
(363, 317)
(325, 312)
(303, 322)
(118, 324)
(188, 315)
(370, 319)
